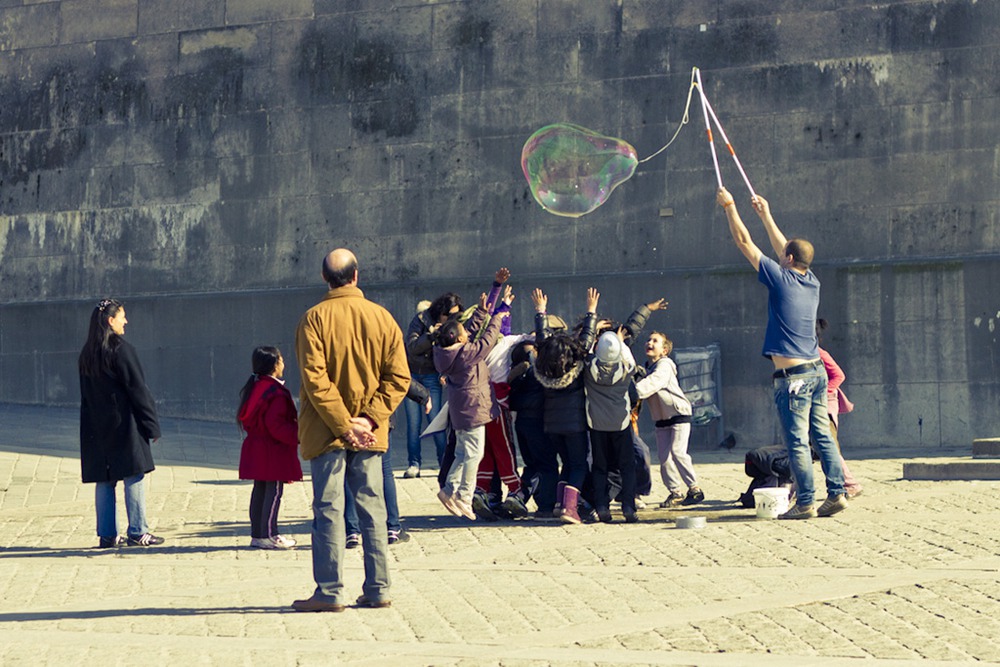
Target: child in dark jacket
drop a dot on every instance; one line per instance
(269, 456)
(559, 368)
(462, 360)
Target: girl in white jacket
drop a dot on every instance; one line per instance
(671, 412)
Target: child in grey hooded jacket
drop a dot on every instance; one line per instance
(607, 377)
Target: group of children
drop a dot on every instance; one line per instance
(569, 398)
(573, 397)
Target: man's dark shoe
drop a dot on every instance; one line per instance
(800, 512)
(145, 540)
(400, 535)
(832, 505)
(630, 515)
(312, 604)
(112, 542)
(604, 514)
(363, 601)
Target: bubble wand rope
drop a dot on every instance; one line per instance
(707, 106)
(696, 73)
(684, 119)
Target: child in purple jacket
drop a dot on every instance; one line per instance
(461, 357)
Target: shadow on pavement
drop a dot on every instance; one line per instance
(149, 611)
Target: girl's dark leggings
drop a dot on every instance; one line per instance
(265, 501)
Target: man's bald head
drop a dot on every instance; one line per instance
(340, 268)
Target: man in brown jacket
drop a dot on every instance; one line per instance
(354, 374)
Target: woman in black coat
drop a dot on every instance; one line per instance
(117, 421)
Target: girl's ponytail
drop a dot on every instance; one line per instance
(244, 397)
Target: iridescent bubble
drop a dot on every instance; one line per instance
(572, 170)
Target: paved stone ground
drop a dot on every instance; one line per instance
(908, 575)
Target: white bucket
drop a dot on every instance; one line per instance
(770, 502)
(691, 522)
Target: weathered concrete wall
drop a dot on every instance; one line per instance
(198, 159)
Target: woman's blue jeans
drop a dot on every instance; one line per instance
(135, 507)
(415, 419)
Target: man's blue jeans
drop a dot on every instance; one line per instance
(135, 507)
(362, 474)
(391, 506)
(415, 417)
(801, 401)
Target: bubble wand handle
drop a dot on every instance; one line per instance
(708, 126)
(708, 105)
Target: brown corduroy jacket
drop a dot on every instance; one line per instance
(353, 363)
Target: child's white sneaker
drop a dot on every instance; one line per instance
(282, 542)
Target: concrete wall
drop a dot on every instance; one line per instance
(197, 159)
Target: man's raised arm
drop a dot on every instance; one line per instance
(778, 240)
(741, 236)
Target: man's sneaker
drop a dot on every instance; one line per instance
(261, 543)
(145, 540)
(515, 506)
(353, 541)
(800, 512)
(282, 542)
(694, 496)
(398, 536)
(411, 472)
(112, 542)
(832, 505)
(673, 500)
(604, 514)
(481, 507)
(630, 515)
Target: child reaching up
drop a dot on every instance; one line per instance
(269, 457)
(671, 413)
(607, 379)
(471, 405)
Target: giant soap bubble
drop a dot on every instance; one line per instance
(572, 170)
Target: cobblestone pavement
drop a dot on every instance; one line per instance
(909, 574)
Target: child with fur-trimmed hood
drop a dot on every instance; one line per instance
(559, 365)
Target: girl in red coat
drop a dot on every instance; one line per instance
(270, 449)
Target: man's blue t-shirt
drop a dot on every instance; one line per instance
(792, 302)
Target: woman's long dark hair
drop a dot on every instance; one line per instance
(443, 305)
(99, 352)
(264, 360)
(558, 355)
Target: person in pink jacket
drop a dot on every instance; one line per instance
(269, 456)
(835, 377)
